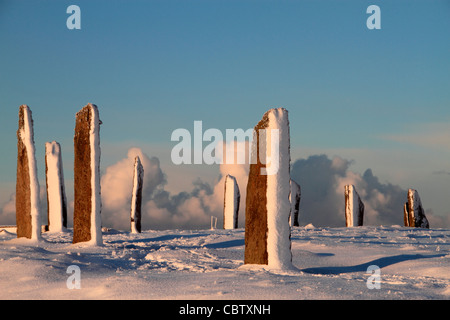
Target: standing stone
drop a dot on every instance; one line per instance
(27, 184)
(267, 230)
(232, 199)
(354, 207)
(413, 213)
(136, 198)
(87, 204)
(56, 194)
(406, 215)
(294, 198)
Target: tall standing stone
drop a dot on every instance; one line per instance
(232, 198)
(56, 193)
(27, 184)
(294, 198)
(267, 230)
(354, 207)
(413, 213)
(87, 207)
(136, 198)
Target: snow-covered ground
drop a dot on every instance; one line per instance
(331, 263)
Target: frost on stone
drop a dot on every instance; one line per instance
(267, 230)
(87, 204)
(413, 212)
(232, 198)
(56, 194)
(136, 197)
(28, 215)
(354, 207)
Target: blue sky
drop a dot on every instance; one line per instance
(378, 97)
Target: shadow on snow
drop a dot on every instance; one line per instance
(381, 263)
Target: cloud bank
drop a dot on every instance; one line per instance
(321, 178)
(161, 209)
(322, 203)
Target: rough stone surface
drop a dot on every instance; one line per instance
(23, 193)
(256, 206)
(83, 182)
(267, 230)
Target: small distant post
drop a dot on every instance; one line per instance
(213, 222)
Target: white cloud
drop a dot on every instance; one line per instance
(8, 213)
(322, 203)
(162, 209)
(117, 184)
(322, 180)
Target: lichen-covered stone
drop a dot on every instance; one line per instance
(87, 204)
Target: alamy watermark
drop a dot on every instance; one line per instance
(74, 20)
(236, 147)
(374, 280)
(374, 20)
(74, 280)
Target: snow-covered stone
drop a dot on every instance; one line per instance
(56, 194)
(354, 207)
(413, 212)
(232, 199)
(136, 198)
(294, 198)
(267, 230)
(28, 215)
(87, 207)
